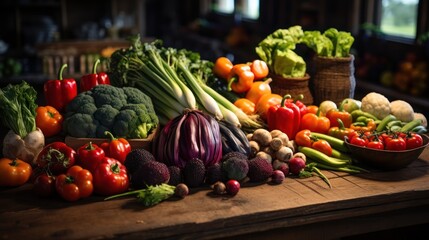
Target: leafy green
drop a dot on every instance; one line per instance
(277, 51)
(332, 43)
(151, 195)
(18, 105)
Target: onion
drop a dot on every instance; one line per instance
(193, 134)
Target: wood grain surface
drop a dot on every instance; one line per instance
(296, 208)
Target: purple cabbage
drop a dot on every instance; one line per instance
(193, 134)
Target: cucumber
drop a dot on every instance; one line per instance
(410, 125)
(419, 129)
(383, 124)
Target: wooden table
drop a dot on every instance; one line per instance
(296, 209)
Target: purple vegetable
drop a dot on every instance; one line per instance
(193, 134)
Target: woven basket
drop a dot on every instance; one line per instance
(293, 86)
(333, 79)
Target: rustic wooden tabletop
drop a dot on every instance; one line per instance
(298, 208)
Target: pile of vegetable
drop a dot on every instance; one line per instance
(175, 80)
(220, 124)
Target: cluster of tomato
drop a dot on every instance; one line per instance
(72, 174)
(393, 141)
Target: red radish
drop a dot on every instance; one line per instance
(296, 165)
(232, 187)
(278, 177)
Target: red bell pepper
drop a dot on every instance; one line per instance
(302, 107)
(116, 148)
(285, 117)
(110, 177)
(90, 155)
(56, 158)
(58, 93)
(91, 80)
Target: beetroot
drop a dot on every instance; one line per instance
(296, 165)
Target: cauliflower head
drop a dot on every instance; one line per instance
(402, 110)
(376, 104)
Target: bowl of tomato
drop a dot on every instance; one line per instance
(387, 158)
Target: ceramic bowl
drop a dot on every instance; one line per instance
(386, 159)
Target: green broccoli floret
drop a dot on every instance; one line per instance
(145, 123)
(79, 101)
(106, 115)
(125, 121)
(81, 125)
(106, 94)
(134, 95)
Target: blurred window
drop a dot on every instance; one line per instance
(399, 18)
(248, 9)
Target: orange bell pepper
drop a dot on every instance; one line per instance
(49, 120)
(258, 89)
(340, 132)
(369, 126)
(247, 106)
(315, 123)
(265, 102)
(334, 114)
(240, 78)
(222, 67)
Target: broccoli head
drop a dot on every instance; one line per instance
(106, 115)
(106, 94)
(134, 95)
(125, 112)
(79, 101)
(81, 125)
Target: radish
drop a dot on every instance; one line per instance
(296, 165)
(277, 177)
(232, 187)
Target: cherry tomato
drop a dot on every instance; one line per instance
(396, 144)
(358, 140)
(413, 140)
(375, 144)
(322, 146)
(75, 184)
(44, 185)
(14, 173)
(303, 138)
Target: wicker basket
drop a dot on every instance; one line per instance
(293, 86)
(333, 79)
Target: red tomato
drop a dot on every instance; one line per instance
(75, 184)
(376, 144)
(303, 138)
(396, 144)
(413, 140)
(44, 185)
(358, 140)
(323, 146)
(14, 173)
